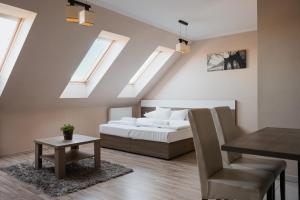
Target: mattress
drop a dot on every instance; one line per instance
(116, 129)
(160, 134)
(146, 133)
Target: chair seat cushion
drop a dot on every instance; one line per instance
(270, 165)
(239, 184)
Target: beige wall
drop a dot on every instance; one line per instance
(278, 65)
(55, 48)
(30, 106)
(278, 60)
(189, 79)
(19, 129)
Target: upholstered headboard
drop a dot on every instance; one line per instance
(118, 113)
(150, 105)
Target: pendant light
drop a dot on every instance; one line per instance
(75, 13)
(183, 46)
(72, 14)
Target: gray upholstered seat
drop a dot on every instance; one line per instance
(239, 184)
(227, 131)
(274, 166)
(216, 181)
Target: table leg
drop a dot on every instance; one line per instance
(97, 154)
(75, 148)
(60, 167)
(38, 154)
(282, 185)
(298, 179)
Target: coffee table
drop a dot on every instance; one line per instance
(60, 158)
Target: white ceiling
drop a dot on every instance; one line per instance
(207, 18)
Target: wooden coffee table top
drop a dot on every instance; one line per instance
(60, 142)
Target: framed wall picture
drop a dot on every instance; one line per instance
(226, 60)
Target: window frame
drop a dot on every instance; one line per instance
(83, 89)
(136, 77)
(158, 62)
(13, 39)
(97, 65)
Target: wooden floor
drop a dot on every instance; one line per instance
(152, 179)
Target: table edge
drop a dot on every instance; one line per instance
(265, 153)
(67, 145)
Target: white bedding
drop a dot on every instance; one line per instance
(149, 122)
(115, 129)
(160, 134)
(174, 131)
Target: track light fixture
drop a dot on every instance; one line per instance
(183, 45)
(75, 14)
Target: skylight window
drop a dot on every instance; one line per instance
(15, 24)
(92, 60)
(8, 30)
(144, 67)
(98, 59)
(154, 63)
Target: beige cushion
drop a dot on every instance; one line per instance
(226, 130)
(270, 165)
(206, 145)
(218, 182)
(239, 184)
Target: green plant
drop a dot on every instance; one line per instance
(67, 128)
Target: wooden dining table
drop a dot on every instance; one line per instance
(281, 143)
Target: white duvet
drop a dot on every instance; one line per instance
(154, 123)
(149, 129)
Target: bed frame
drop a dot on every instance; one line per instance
(161, 149)
(148, 148)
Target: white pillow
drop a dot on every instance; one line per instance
(162, 113)
(144, 122)
(151, 114)
(179, 123)
(179, 114)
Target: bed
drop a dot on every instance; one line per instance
(160, 138)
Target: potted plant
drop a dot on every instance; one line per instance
(67, 130)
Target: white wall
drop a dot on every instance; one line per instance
(189, 79)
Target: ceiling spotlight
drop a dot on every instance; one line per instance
(84, 17)
(183, 46)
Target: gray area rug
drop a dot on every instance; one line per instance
(78, 176)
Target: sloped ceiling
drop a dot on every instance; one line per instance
(207, 18)
(54, 49)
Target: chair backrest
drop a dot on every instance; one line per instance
(206, 146)
(227, 130)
